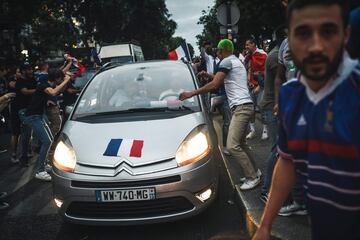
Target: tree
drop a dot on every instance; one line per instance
(123, 20)
(258, 18)
(56, 24)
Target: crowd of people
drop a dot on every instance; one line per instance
(307, 89)
(32, 102)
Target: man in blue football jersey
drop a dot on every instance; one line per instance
(319, 130)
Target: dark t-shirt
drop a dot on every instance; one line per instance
(271, 64)
(69, 98)
(22, 100)
(353, 44)
(38, 101)
(9, 80)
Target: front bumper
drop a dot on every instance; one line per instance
(174, 199)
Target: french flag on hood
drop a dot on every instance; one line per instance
(80, 68)
(124, 148)
(181, 52)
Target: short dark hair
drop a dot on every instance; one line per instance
(299, 4)
(25, 66)
(252, 40)
(55, 73)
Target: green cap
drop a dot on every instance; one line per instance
(226, 45)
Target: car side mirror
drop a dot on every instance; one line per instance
(68, 110)
(215, 102)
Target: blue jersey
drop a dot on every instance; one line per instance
(320, 133)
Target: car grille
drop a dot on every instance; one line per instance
(151, 182)
(129, 210)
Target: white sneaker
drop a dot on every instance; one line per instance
(264, 135)
(14, 159)
(250, 184)
(44, 176)
(251, 135)
(258, 174)
(293, 209)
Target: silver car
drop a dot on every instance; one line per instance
(132, 153)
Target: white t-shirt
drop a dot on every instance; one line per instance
(235, 82)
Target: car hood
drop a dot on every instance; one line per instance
(161, 139)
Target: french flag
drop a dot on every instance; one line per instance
(80, 68)
(181, 52)
(124, 148)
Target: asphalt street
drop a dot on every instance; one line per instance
(33, 215)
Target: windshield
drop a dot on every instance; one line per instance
(138, 87)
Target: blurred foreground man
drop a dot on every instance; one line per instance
(319, 133)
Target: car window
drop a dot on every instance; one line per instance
(80, 82)
(138, 86)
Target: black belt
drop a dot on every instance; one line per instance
(245, 104)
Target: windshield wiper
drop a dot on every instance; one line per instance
(137, 110)
(132, 110)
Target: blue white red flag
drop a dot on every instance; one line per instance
(124, 148)
(181, 52)
(80, 68)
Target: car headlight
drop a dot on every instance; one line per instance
(64, 156)
(195, 146)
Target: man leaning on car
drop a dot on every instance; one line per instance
(232, 73)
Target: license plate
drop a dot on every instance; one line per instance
(125, 195)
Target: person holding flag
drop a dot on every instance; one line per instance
(181, 52)
(75, 64)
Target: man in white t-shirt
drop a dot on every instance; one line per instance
(232, 73)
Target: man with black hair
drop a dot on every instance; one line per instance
(267, 106)
(25, 88)
(319, 113)
(286, 71)
(256, 71)
(34, 116)
(208, 55)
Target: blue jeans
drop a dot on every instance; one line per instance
(272, 126)
(25, 137)
(43, 133)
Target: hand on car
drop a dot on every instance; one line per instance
(185, 95)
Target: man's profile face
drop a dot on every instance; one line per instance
(219, 54)
(250, 46)
(317, 38)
